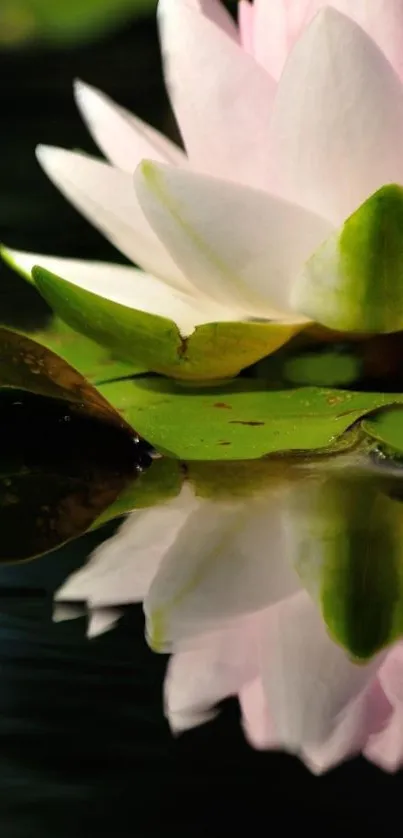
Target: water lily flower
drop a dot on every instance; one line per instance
(276, 591)
(285, 206)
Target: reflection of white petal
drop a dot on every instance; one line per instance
(228, 560)
(221, 97)
(240, 246)
(256, 722)
(121, 570)
(386, 747)
(128, 286)
(106, 197)
(124, 139)
(313, 690)
(63, 611)
(102, 620)
(198, 679)
(337, 125)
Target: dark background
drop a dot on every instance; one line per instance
(84, 748)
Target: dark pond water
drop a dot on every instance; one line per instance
(84, 748)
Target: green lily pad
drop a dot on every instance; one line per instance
(93, 362)
(214, 351)
(354, 281)
(323, 368)
(29, 366)
(240, 421)
(349, 538)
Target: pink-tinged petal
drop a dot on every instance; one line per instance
(316, 695)
(124, 139)
(386, 748)
(256, 722)
(198, 679)
(382, 20)
(215, 11)
(128, 286)
(106, 197)
(121, 569)
(270, 44)
(239, 246)
(246, 21)
(228, 561)
(337, 127)
(221, 97)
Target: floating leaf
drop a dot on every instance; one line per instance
(93, 361)
(27, 365)
(214, 351)
(242, 420)
(58, 473)
(323, 368)
(354, 281)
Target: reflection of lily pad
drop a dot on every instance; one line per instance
(240, 421)
(160, 482)
(58, 473)
(26, 365)
(386, 427)
(213, 351)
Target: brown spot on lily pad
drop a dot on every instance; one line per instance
(223, 406)
(244, 422)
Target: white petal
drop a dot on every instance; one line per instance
(382, 20)
(106, 197)
(314, 692)
(221, 97)
(337, 127)
(217, 13)
(271, 28)
(124, 139)
(246, 15)
(239, 245)
(198, 679)
(121, 570)
(129, 287)
(227, 561)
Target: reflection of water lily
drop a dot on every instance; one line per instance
(275, 162)
(220, 576)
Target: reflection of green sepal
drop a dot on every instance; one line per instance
(354, 281)
(350, 556)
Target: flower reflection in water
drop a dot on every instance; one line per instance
(278, 582)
